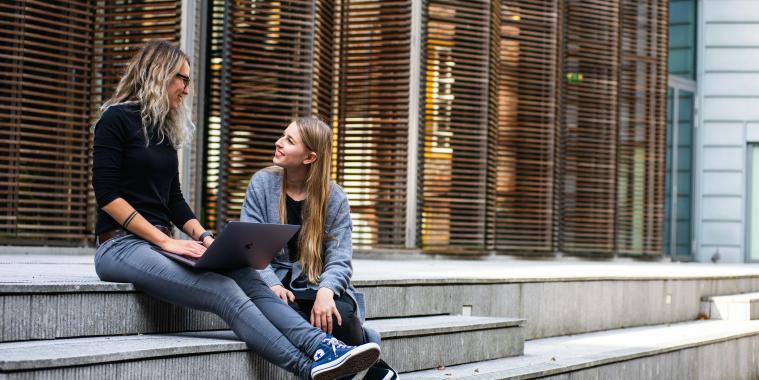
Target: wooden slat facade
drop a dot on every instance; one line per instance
(46, 50)
(642, 131)
(528, 126)
(541, 127)
(588, 134)
(63, 58)
(373, 116)
(277, 65)
(454, 170)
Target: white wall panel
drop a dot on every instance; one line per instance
(731, 84)
(728, 77)
(731, 10)
(732, 34)
(722, 158)
(723, 133)
(722, 183)
(737, 109)
(722, 233)
(722, 208)
(731, 59)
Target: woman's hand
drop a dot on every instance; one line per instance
(188, 248)
(323, 310)
(283, 293)
(208, 241)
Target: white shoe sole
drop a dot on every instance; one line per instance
(357, 360)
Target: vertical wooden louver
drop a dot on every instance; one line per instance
(270, 79)
(642, 132)
(373, 117)
(494, 85)
(212, 171)
(45, 114)
(455, 153)
(528, 124)
(587, 172)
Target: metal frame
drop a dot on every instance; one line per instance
(681, 84)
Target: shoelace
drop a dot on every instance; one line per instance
(335, 343)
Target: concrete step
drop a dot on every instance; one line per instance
(736, 307)
(691, 350)
(429, 342)
(408, 344)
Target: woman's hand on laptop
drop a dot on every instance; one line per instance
(283, 293)
(208, 241)
(188, 248)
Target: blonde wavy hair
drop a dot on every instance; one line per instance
(317, 138)
(145, 81)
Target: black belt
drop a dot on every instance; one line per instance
(119, 232)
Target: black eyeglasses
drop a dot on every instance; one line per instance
(185, 80)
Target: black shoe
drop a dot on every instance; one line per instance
(381, 371)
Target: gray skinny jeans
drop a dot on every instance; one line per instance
(269, 326)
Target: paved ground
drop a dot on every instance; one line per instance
(78, 269)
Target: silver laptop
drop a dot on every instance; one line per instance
(242, 244)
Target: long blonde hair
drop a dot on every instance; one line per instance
(145, 81)
(317, 138)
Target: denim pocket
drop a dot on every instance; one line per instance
(108, 245)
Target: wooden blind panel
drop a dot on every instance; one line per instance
(45, 110)
(587, 173)
(323, 77)
(122, 28)
(642, 130)
(494, 84)
(528, 125)
(271, 57)
(373, 118)
(455, 162)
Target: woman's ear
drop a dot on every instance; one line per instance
(310, 158)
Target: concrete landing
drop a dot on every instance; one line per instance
(52, 272)
(693, 350)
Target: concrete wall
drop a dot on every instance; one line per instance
(728, 80)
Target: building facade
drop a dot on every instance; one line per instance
(725, 131)
(530, 127)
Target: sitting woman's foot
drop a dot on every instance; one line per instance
(334, 359)
(381, 371)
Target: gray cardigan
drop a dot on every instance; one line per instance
(261, 205)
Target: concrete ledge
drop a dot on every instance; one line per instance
(18, 356)
(736, 307)
(444, 324)
(550, 308)
(555, 298)
(694, 350)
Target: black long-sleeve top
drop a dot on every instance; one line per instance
(146, 177)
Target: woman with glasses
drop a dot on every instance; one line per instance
(314, 272)
(136, 182)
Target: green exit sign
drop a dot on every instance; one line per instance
(574, 77)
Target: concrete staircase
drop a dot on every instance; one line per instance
(438, 320)
(91, 329)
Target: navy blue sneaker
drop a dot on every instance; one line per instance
(334, 359)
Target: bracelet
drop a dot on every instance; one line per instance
(129, 219)
(204, 235)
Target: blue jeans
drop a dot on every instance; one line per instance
(269, 327)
